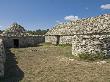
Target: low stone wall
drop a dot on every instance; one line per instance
(48, 39)
(61, 40)
(34, 40)
(26, 41)
(39, 39)
(51, 39)
(65, 40)
(2, 58)
(91, 44)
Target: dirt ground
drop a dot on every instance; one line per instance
(48, 63)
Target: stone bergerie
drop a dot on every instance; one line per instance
(90, 35)
(63, 33)
(16, 37)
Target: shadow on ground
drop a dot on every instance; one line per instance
(12, 71)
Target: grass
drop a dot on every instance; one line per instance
(64, 45)
(49, 63)
(92, 57)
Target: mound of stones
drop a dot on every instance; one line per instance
(15, 30)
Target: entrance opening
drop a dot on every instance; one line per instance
(16, 43)
(58, 39)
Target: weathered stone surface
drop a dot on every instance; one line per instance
(61, 40)
(91, 44)
(65, 40)
(15, 30)
(2, 58)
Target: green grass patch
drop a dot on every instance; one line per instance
(92, 57)
(64, 45)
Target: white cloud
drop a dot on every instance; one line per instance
(59, 22)
(86, 8)
(71, 18)
(106, 6)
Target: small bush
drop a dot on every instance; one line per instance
(92, 57)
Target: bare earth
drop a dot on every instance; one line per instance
(48, 63)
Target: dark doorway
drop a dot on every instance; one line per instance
(58, 39)
(16, 43)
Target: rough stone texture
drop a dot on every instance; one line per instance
(62, 39)
(92, 44)
(50, 39)
(92, 25)
(65, 40)
(15, 30)
(2, 58)
(23, 41)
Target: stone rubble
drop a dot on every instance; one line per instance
(101, 62)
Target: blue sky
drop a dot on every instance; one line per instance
(43, 14)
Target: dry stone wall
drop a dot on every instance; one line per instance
(49, 39)
(91, 44)
(62, 39)
(2, 58)
(65, 40)
(26, 41)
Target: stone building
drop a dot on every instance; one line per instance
(59, 35)
(64, 33)
(93, 36)
(92, 44)
(16, 36)
(90, 35)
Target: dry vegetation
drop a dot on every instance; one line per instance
(48, 63)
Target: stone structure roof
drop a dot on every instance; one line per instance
(93, 25)
(15, 30)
